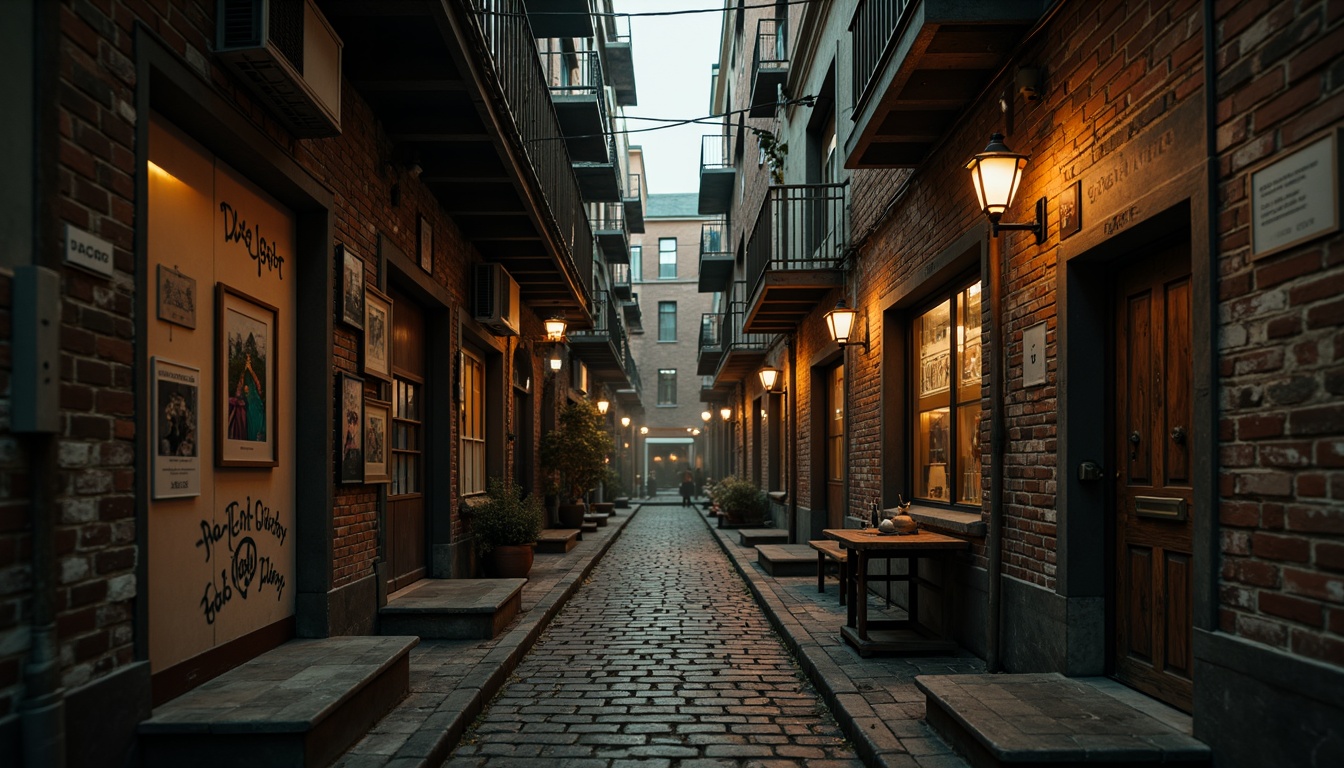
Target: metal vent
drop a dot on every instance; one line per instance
(240, 23)
(485, 291)
(287, 31)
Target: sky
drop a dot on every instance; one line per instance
(673, 55)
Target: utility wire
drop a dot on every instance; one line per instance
(670, 122)
(642, 14)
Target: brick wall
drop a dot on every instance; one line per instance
(1281, 486)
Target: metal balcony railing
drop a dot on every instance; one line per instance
(573, 73)
(620, 278)
(711, 324)
(601, 316)
(733, 338)
(714, 238)
(801, 226)
(772, 47)
(715, 151)
(607, 217)
(508, 38)
(870, 31)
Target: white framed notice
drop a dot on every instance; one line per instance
(1295, 198)
(176, 407)
(1033, 356)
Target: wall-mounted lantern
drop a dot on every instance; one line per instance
(840, 325)
(768, 378)
(996, 174)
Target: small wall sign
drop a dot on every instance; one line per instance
(1296, 198)
(1033, 356)
(1070, 210)
(86, 251)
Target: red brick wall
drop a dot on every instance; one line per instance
(1282, 429)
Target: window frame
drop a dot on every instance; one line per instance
(673, 314)
(668, 375)
(637, 263)
(472, 442)
(673, 263)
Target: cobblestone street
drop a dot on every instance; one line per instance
(662, 658)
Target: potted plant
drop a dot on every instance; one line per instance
(740, 502)
(574, 453)
(506, 528)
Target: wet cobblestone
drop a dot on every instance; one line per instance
(662, 659)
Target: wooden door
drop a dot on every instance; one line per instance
(835, 447)
(406, 540)
(1154, 499)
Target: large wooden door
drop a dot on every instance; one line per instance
(1154, 499)
(406, 544)
(835, 447)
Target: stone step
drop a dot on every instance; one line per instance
(558, 540)
(452, 609)
(621, 502)
(754, 537)
(1049, 719)
(302, 704)
(589, 527)
(599, 519)
(787, 559)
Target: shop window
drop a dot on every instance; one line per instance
(667, 386)
(667, 258)
(471, 457)
(946, 393)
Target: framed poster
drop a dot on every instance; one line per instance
(245, 409)
(177, 297)
(377, 423)
(351, 415)
(935, 374)
(426, 246)
(377, 334)
(1071, 210)
(352, 287)
(176, 405)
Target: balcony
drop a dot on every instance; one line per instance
(917, 64)
(559, 18)
(717, 174)
(711, 344)
(620, 59)
(609, 228)
(632, 394)
(620, 281)
(575, 80)
(634, 316)
(716, 261)
(769, 66)
(634, 204)
(459, 87)
(743, 352)
(795, 254)
(709, 394)
(603, 348)
(600, 182)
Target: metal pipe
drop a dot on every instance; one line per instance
(792, 448)
(997, 445)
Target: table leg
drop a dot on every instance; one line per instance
(843, 568)
(912, 568)
(861, 596)
(850, 616)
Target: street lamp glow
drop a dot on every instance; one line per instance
(555, 361)
(840, 323)
(768, 378)
(995, 174)
(705, 416)
(726, 413)
(643, 430)
(555, 329)
(603, 405)
(625, 421)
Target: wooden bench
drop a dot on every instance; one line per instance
(827, 549)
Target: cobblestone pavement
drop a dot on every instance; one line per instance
(662, 659)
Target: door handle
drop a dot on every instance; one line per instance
(1178, 435)
(1134, 440)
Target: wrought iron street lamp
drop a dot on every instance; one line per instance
(840, 325)
(768, 378)
(996, 174)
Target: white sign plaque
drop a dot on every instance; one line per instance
(1033, 356)
(87, 251)
(1295, 199)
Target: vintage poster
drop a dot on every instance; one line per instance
(245, 426)
(176, 400)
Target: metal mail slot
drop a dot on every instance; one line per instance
(1160, 507)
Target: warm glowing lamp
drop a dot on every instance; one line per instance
(768, 378)
(996, 174)
(555, 361)
(643, 430)
(602, 406)
(555, 329)
(625, 421)
(726, 413)
(840, 324)
(705, 416)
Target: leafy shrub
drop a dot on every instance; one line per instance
(577, 450)
(505, 519)
(740, 499)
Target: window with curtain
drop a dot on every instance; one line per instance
(667, 386)
(945, 338)
(471, 457)
(667, 258)
(636, 263)
(667, 321)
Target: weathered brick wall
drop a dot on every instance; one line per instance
(1280, 347)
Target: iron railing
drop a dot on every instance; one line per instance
(508, 40)
(733, 338)
(801, 226)
(620, 277)
(608, 217)
(772, 45)
(874, 23)
(601, 316)
(572, 73)
(714, 238)
(715, 151)
(632, 373)
(711, 325)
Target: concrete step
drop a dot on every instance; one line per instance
(452, 609)
(621, 502)
(558, 540)
(589, 526)
(1049, 719)
(302, 704)
(753, 537)
(599, 519)
(787, 559)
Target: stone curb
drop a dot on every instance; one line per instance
(478, 687)
(873, 741)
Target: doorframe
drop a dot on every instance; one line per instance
(1085, 562)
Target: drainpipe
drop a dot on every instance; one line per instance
(792, 447)
(1210, 617)
(997, 445)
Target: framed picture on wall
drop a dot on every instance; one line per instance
(426, 246)
(177, 297)
(176, 408)
(352, 287)
(377, 334)
(377, 425)
(351, 415)
(245, 344)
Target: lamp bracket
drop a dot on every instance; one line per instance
(1037, 227)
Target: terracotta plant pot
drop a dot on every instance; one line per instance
(571, 515)
(512, 561)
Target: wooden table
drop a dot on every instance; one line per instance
(894, 636)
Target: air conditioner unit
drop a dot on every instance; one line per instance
(495, 297)
(289, 56)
